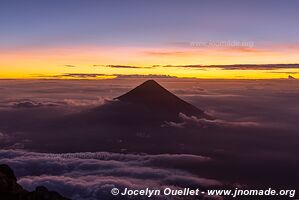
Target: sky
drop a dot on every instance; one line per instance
(53, 38)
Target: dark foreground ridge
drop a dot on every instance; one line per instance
(11, 190)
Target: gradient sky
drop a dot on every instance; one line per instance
(46, 37)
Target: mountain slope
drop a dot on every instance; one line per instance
(153, 96)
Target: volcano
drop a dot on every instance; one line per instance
(152, 96)
(147, 105)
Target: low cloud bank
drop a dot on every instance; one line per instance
(202, 122)
(91, 176)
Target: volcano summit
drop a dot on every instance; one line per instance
(156, 98)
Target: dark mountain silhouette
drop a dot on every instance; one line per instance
(11, 190)
(291, 77)
(153, 96)
(149, 104)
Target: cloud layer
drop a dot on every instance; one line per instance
(202, 122)
(91, 176)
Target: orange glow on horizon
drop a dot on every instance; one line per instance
(48, 62)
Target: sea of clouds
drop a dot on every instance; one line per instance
(91, 176)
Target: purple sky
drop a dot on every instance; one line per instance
(33, 22)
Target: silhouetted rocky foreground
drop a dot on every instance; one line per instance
(11, 190)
